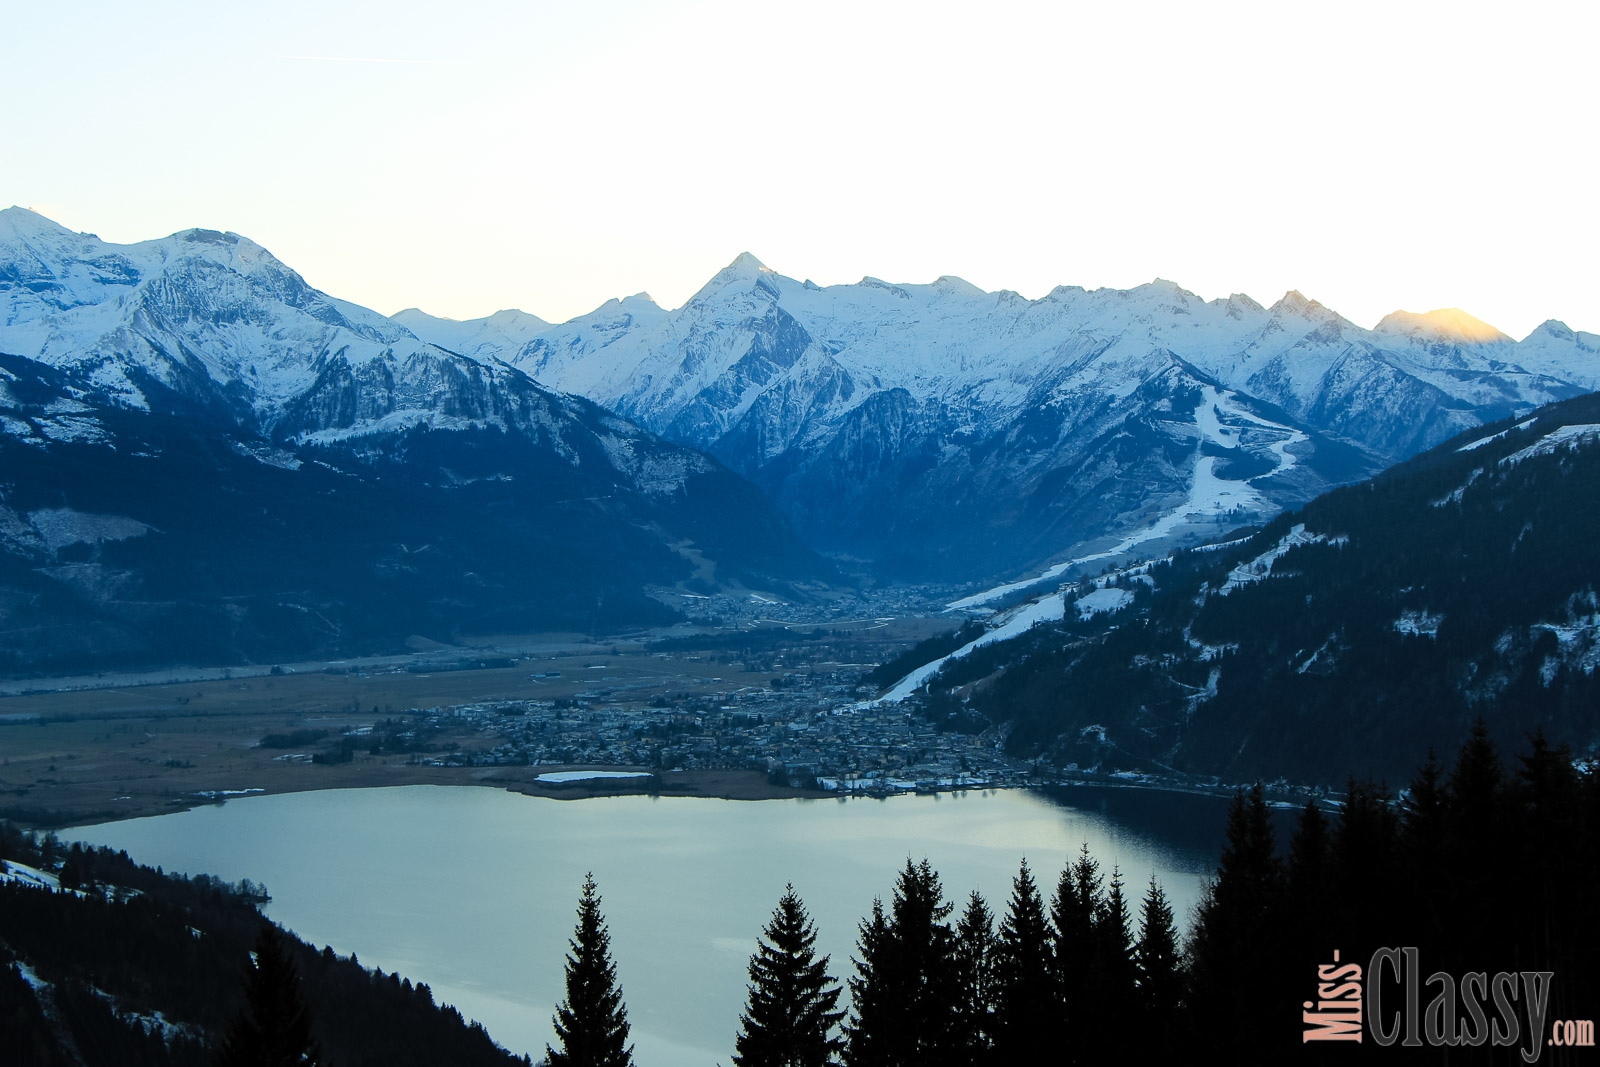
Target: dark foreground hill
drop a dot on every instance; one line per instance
(138, 967)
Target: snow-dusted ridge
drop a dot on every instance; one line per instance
(1112, 418)
(834, 398)
(213, 317)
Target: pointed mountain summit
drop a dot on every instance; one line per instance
(745, 262)
(21, 221)
(1294, 302)
(1555, 330)
(1442, 324)
(1238, 305)
(738, 276)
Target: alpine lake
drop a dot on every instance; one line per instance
(474, 890)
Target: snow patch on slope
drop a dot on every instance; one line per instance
(1010, 624)
(1102, 601)
(1211, 497)
(1480, 442)
(60, 527)
(1565, 436)
(1418, 624)
(1261, 567)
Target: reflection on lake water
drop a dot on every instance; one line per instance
(474, 891)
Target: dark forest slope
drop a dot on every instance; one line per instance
(138, 967)
(1343, 638)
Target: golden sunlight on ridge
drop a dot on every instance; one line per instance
(1444, 324)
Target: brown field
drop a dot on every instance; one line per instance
(91, 755)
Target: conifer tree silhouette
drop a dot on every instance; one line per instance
(1156, 955)
(1234, 945)
(1027, 1005)
(975, 983)
(592, 1022)
(274, 1027)
(1072, 917)
(790, 1011)
(906, 978)
(1115, 973)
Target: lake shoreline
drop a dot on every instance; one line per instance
(717, 784)
(710, 784)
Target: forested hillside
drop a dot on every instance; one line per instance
(123, 965)
(1378, 620)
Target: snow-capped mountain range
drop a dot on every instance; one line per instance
(203, 459)
(937, 430)
(957, 432)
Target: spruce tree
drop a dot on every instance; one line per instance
(906, 979)
(1116, 977)
(1072, 916)
(975, 981)
(1547, 817)
(274, 1028)
(1421, 849)
(1026, 1003)
(1314, 918)
(1235, 945)
(869, 1037)
(1308, 858)
(1363, 858)
(1156, 961)
(790, 1011)
(592, 1022)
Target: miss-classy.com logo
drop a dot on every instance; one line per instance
(1383, 1002)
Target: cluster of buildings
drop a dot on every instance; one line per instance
(811, 730)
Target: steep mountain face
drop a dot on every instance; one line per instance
(1341, 639)
(203, 459)
(1005, 430)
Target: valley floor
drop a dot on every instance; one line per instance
(711, 713)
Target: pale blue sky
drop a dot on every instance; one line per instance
(470, 156)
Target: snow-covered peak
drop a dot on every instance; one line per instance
(190, 312)
(1238, 305)
(502, 332)
(640, 302)
(1294, 302)
(1164, 286)
(869, 282)
(950, 283)
(1556, 349)
(21, 222)
(1553, 330)
(636, 306)
(1442, 324)
(746, 261)
(739, 276)
(506, 319)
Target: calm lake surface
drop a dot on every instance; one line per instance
(475, 891)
